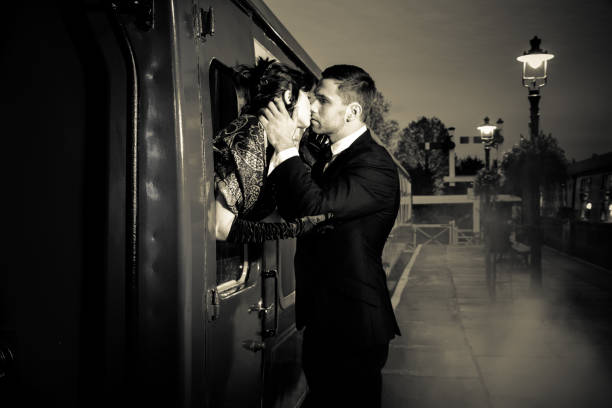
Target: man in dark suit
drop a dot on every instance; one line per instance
(342, 297)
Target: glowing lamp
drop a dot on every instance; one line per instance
(589, 206)
(535, 60)
(486, 130)
(535, 64)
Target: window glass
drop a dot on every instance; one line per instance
(232, 266)
(286, 256)
(606, 208)
(585, 198)
(226, 98)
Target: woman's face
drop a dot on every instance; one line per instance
(302, 108)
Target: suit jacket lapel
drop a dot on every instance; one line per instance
(343, 156)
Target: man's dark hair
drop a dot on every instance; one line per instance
(268, 79)
(354, 85)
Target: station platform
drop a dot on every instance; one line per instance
(461, 348)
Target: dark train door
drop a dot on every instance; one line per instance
(234, 341)
(284, 381)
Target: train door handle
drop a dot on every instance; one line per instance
(272, 274)
(253, 345)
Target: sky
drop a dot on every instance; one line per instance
(456, 60)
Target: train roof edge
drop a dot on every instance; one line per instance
(275, 28)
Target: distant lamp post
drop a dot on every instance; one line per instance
(451, 155)
(498, 139)
(535, 76)
(487, 132)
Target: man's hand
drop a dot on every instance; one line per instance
(279, 126)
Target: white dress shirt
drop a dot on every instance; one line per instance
(336, 149)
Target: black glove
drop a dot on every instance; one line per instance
(315, 148)
(252, 231)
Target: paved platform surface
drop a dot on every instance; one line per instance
(460, 348)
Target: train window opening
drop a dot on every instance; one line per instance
(226, 102)
(225, 96)
(232, 265)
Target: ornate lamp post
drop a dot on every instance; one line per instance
(498, 138)
(451, 154)
(535, 67)
(487, 131)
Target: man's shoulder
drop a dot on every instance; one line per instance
(370, 151)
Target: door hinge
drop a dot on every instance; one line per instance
(142, 11)
(204, 23)
(212, 304)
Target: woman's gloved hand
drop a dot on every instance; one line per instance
(253, 231)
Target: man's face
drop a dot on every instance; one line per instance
(328, 110)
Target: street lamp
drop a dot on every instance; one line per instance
(486, 136)
(498, 139)
(535, 75)
(451, 155)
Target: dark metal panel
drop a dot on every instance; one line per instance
(153, 290)
(234, 356)
(195, 221)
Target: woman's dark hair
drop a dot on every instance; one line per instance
(268, 79)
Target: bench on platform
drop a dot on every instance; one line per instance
(521, 250)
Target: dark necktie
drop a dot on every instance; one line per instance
(324, 154)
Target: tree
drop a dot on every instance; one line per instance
(427, 166)
(469, 166)
(548, 159)
(386, 130)
(487, 183)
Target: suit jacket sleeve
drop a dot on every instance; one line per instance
(364, 185)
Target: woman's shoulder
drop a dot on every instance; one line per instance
(244, 127)
(241, 123)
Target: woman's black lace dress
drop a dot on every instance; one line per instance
(241, 166)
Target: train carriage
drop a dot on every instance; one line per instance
(114, 289)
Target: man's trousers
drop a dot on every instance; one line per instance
(341, 376)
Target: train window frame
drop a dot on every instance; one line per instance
(286, 300)
(232, 284)
(220, 104)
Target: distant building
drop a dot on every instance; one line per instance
(588, 190)
(577, 214)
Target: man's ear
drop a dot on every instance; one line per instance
(353, 112)
(287, 97)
